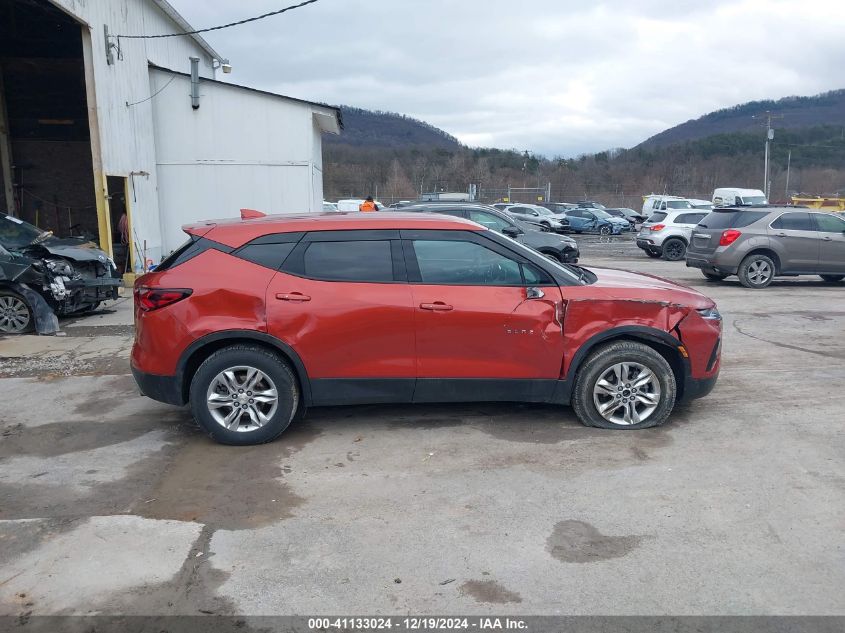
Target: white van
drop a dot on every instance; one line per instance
(731, 196)
(654, 203)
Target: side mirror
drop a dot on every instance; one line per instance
(512, 231)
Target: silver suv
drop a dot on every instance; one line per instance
(667, 233)
(757, 244)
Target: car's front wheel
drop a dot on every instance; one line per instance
(244, 394)
(832, 278)
(605, 230)
(674, 250)
(15, 313)
(624, 385)
(756, 271)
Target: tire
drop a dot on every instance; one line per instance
(832, 278)
(653, 254)
(756, 271)
(15, 314)
(605, 230)
(674, 250)
(547, 225)
(713, 276)
(587, 396)
(274, 375)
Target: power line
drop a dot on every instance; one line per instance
(155, 94)
(222, 26)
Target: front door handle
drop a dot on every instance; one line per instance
(781, 234)
(296, 297)
(437, 306)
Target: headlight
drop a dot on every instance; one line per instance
(710, 313)
(59, 267)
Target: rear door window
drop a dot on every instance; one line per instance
(362, 261)
(794, 222)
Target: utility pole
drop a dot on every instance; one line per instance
(770, 134)
(788, 163)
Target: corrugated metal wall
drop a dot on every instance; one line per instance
(241, 148)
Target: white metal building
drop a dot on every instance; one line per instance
(92, 125)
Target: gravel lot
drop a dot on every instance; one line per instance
(112, 503)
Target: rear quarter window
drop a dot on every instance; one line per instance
(731, 219)
(690, 218)
(657, 217)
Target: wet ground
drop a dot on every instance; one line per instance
(112, 503)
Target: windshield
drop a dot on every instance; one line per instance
(15, 234)
(753, 200)
(543, 211)
(678, 204)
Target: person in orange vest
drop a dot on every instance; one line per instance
(368, 205)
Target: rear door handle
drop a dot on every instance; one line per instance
(296, 297)
(437, 306)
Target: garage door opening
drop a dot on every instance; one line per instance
(46, 171)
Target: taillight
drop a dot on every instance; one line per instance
(154, 298)
(729, 237)
(658, 227)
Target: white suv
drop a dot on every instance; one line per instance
(667, 234)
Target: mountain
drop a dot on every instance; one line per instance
(372, 128)
(826, 109)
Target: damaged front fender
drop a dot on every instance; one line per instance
(43, 317)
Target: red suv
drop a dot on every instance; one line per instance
(252, 321)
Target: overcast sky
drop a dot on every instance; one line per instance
(556, 77)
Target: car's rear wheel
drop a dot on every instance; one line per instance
(674, 250)
(244, 394)
(832, 278)
(756, 271)
(653, 254)
(15, 313)
(624, 385)
(711, 276)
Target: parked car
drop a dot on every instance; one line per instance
(42, 276)
(592, 220)
(667, 234)
(560, 247)
(630, 215)
(253, 321)
(501, 206)
(704, 205)
(559, 208)
(589, 204)
(539, 215)
(733, 196)
(757, 245)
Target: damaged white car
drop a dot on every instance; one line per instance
(42, 277)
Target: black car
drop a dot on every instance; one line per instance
(42, 276)
(559, 247)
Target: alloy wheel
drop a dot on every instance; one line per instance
(14, 315)
(605, 230)
(242, 398)
(759, 272)
(627, 393)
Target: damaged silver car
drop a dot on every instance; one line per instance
(43, 277)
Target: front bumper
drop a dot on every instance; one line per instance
(165, 389)
(698, 387)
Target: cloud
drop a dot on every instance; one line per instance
(553, 77)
